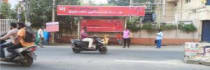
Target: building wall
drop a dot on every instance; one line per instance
(194, 11)
(165, 15)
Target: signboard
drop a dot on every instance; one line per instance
(103, 25)
(52, 26)
(100, 10)
(199, 52)
(207, 51)
(191, 49)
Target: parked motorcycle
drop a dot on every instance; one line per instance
(78, 46)
(26, 55)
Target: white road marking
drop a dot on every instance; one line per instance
(174, 62)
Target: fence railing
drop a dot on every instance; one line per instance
(5, 25)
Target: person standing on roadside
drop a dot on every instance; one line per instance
(46, 37)
(106, 39)
(119, 38)
(126, 38)
(159, 39)
(40, 37)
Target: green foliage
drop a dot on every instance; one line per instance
(41, 12)
(149, 27)
(134, 24)
(154, 27)
(68, 2)
(187, 27)
(133, 27)
(119, 2)
(6, 12)
(168, 27)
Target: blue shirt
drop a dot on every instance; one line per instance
(46, 35)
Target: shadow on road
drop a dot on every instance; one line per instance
(11, 65)
(35, 66)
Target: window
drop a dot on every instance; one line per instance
(187, 1)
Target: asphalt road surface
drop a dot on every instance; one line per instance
(117, 58)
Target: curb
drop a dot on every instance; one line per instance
(197, 62)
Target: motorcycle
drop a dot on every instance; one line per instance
(78, 46)
(26, 55)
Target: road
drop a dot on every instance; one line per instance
(117, 58)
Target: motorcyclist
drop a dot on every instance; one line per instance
(11, 34)
(84, 37)
(20, 40)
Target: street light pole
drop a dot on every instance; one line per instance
(131, 4)
(25, 9)
(19, 12)
(53, 20)
(53, 11)
(164, 7)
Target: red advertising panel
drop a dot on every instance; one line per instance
(52, 26)
(100, 10)
(103, 25)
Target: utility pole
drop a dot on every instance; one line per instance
(163, 10)
(131, 4)
(163, 7)
(53, 20)
(27, 5)
(53, 11)
(78, 27)
(19, 11)
(24, 4)
(162, 13)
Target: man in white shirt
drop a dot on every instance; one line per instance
(159, 39)
(41, 36)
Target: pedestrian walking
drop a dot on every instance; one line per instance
(159, 39)
(40, 37)
(126, 38)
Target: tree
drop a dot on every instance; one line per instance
(119, 2)
(6, 12)
(41, 10)
(68, 23)
(41, 13)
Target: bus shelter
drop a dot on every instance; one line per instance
(100, 18)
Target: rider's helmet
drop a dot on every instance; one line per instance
(14, 25)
